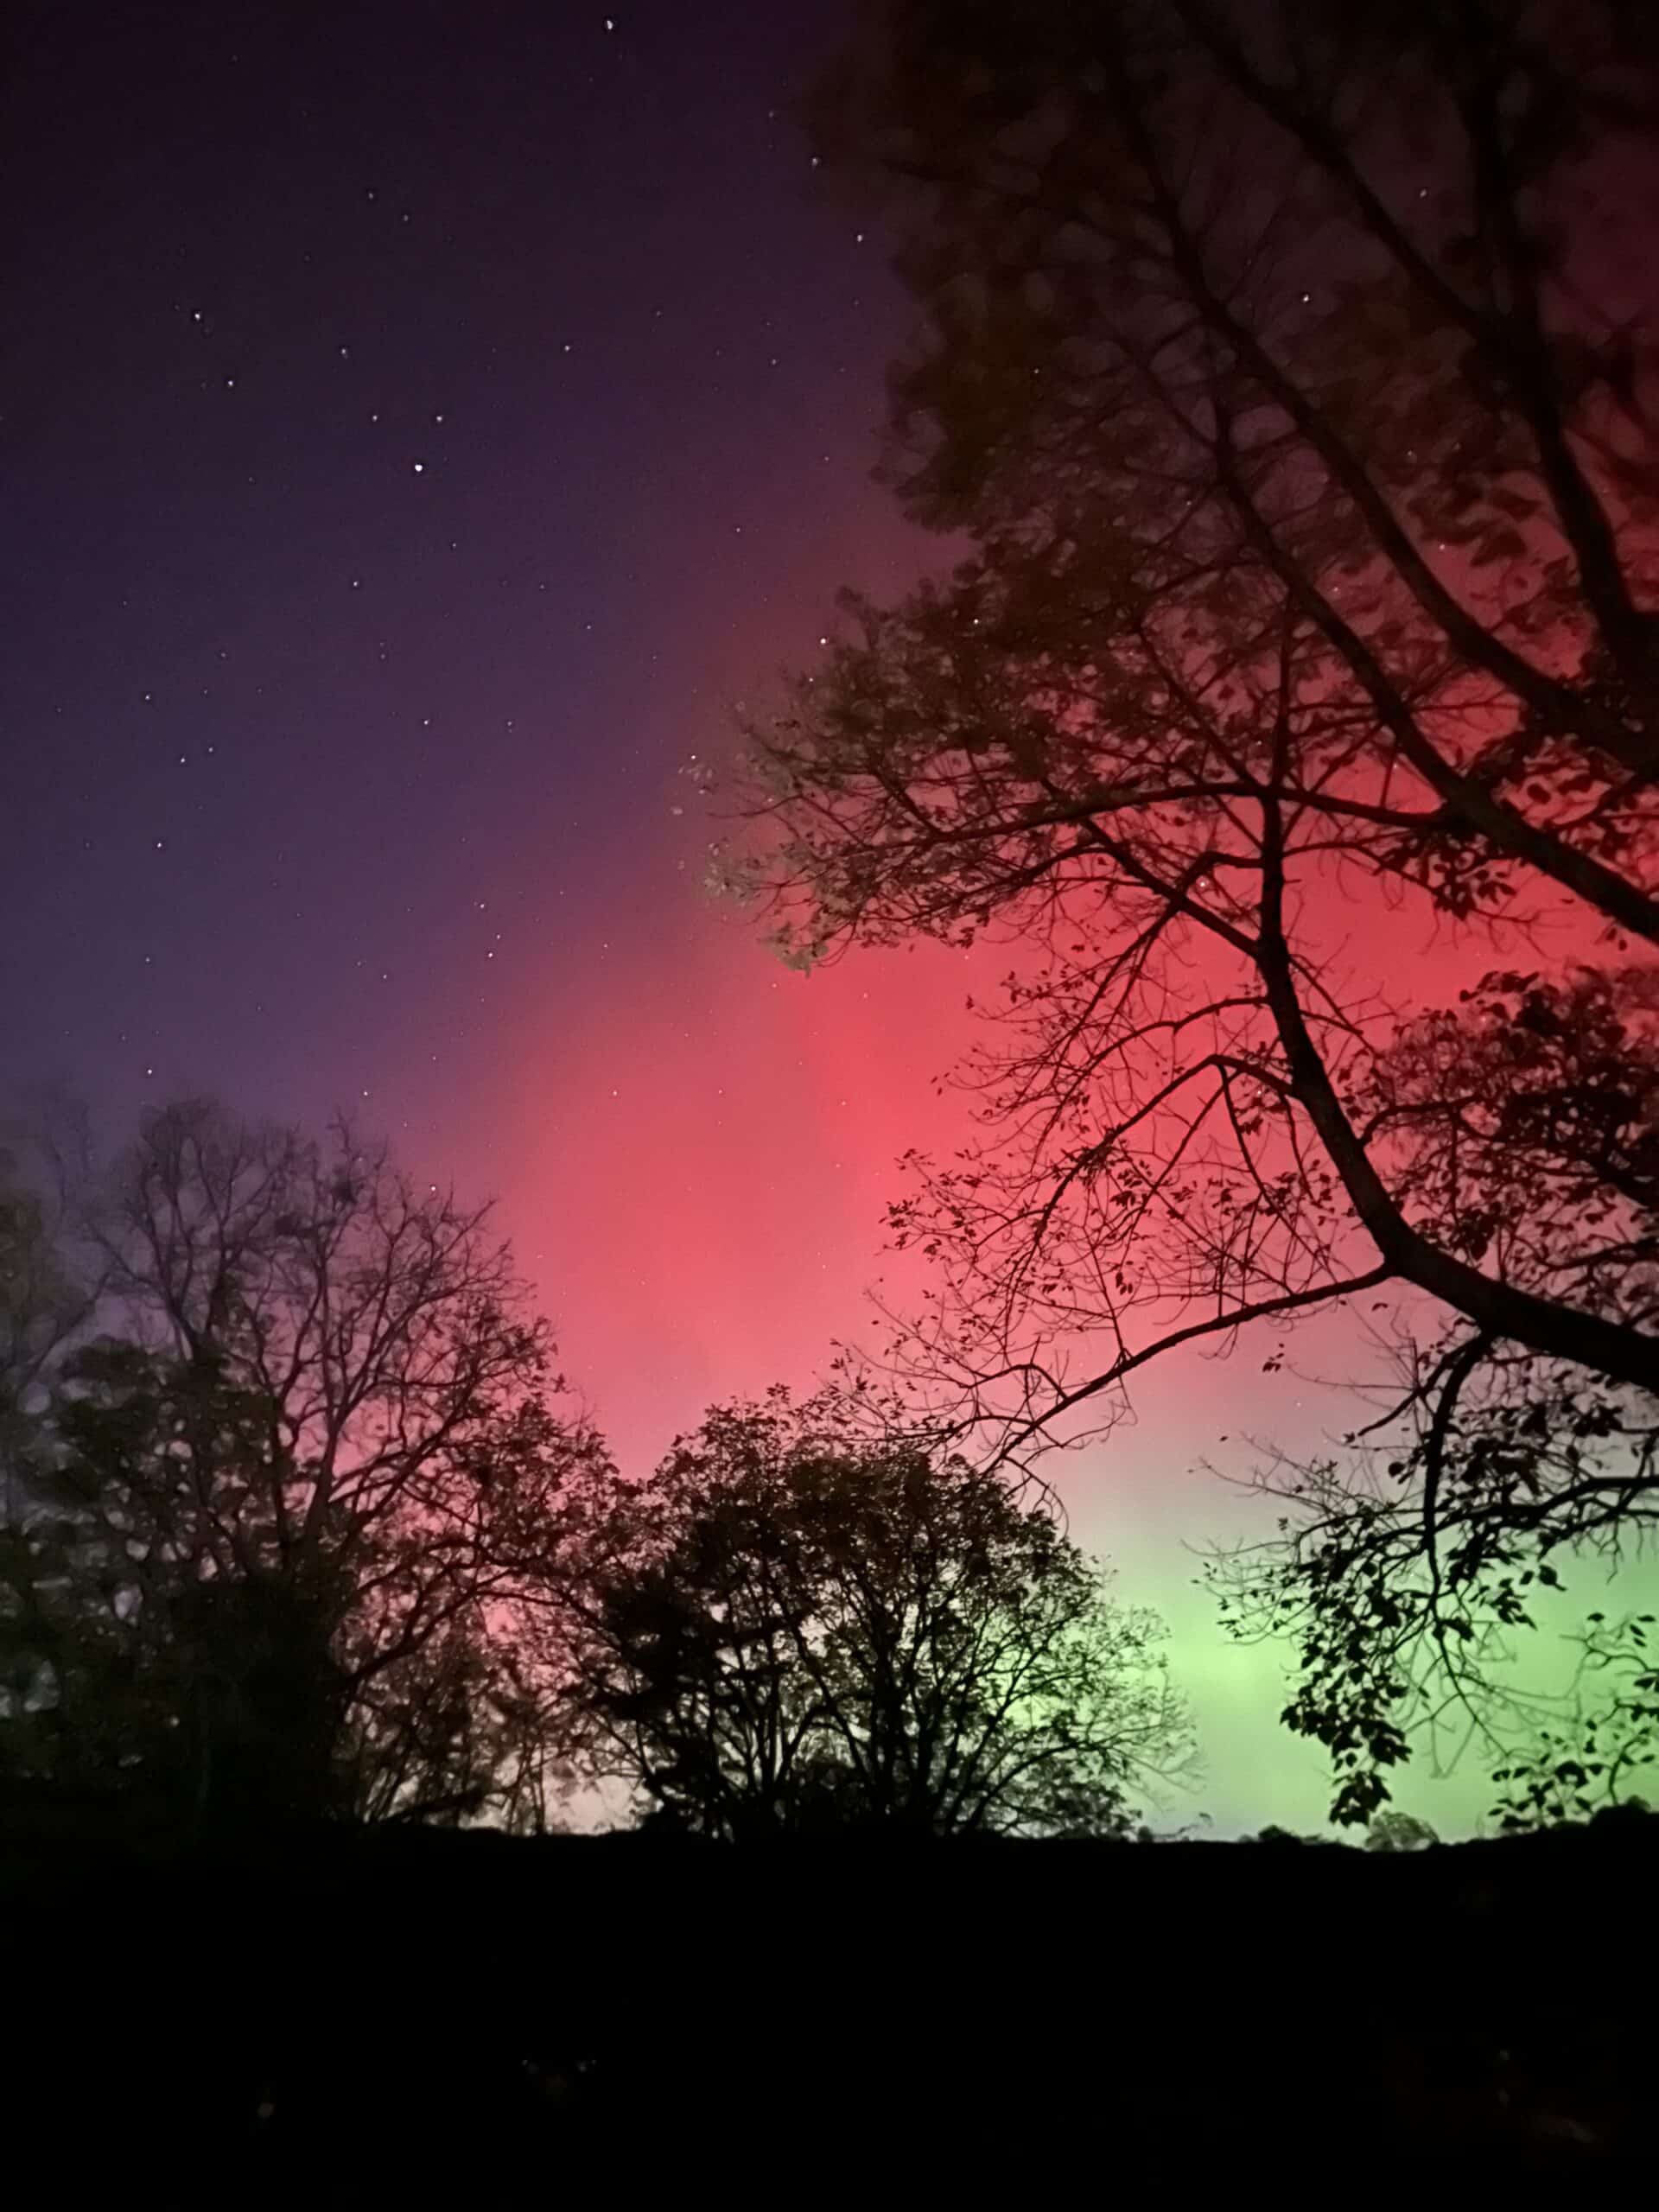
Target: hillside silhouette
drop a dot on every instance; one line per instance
(635, 2012)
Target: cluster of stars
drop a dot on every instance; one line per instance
(215, 321)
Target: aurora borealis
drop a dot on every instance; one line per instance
(421, 429)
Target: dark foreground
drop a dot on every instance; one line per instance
(412, 2017)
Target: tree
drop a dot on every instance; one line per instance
(1396, 1832)
(1582, 1765)
(1276, 371)
(797, 1623)
(1408, 1561)
(43, 1306)
(42, 1303)
(266, 1547)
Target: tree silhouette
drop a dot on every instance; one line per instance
(1407, 1561)
(1397, 1831)
(1277, 368)
(264, 1550)
(1586, 1762)
(797, 1624)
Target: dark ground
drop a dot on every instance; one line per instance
(419, 2016)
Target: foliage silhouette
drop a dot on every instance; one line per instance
(1276, 367)
(1583, 1764)
(258, 1544)
(1397, 1831)
(801, 1623)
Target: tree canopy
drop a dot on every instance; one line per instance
(797, 1624)
(261, 1526)
(1281, 371)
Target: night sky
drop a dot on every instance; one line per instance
(419, 425)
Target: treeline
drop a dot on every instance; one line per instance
(299, 1524)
